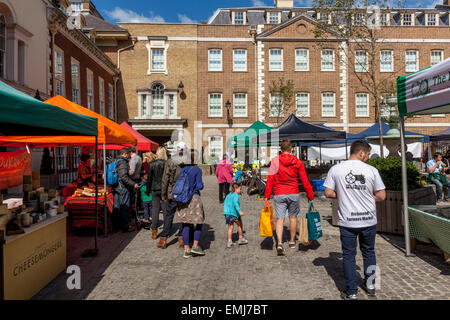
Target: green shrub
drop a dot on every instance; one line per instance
(391, 172)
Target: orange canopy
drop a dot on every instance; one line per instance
(109, 132)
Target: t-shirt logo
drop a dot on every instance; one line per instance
(352, 178)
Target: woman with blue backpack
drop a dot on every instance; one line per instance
(190, 207)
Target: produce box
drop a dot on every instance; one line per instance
(36, 175)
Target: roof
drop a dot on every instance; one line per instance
(100, 24)
(244, 138)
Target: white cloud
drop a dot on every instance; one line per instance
(125, 15)
(258, 3)
(185, 19)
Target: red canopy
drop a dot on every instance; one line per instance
(143, 143)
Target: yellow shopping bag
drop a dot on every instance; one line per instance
(266, 221)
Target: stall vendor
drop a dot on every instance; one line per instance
(84, 171)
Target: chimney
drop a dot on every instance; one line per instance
(288, 3)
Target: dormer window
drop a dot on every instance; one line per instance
(358, 19)
(239, 18)
(407, 19)
(274, 18)
(324, 18)
(384, 19)
(431, 19)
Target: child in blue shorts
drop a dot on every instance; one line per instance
(233, 214)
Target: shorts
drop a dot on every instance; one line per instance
(287, 205)
(229, 219)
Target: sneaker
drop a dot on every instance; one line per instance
(230, 244)
(197, 251)
(345, 296)
(292, 245)
(369, 289)
(280, 250)
(242, 241)
(187, 254)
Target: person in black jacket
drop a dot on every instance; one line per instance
(122, 191)
(154, 182)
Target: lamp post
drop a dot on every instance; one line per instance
(230, 120)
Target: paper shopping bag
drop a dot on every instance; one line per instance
(314, 223)
(303, 237)
(266, 221)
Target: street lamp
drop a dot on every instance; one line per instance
(228, 106)
(181, 87)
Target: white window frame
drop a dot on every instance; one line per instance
(270, 14)
(90, 81)
(436, 20)
(161, 69)
(61, 79)
(209, 105)
(322, 20)
(61, 154)
(334, 105)
(235, 115)
(77, 82)
(243, 17)
(101, 94)
(392, 61)
(234, 60)
(366, 115)
(296, 104)
(209, 60)
(411, 22)
(150, 105)
(298, 61)
(384, 23)
(360, 22)
(322, 61)
(175, 105)
(76, 156)
(359, 67)
(406, 60)
(270, 60)
(431, 56)
(111, 100)
(271, 114)
(218, 155)
(157, 44)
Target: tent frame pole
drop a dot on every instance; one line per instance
(405, 189)
(96, 192)
(104, 190)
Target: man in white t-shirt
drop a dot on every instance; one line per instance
(357, 186)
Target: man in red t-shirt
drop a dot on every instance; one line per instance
(283, 178)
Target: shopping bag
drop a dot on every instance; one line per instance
(303, 237)
(266, 221)
(314, 223)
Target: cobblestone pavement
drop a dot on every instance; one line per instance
(131, 267)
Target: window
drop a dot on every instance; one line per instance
(77, 6)
(239, 60)
(273, 18)
(412, 61)
(328, 105)
(101, 85)
(303, 104)
(361, 61)
(21, 61)
(2, 46)
(436, 56)
(238, 18)
(276, 105)
(59, 72)
(431, 19)
(327, 60)
(157, 56)
(90, 89)
(215, 105)
(215, 146)
(240, 105)
(276, 60)
(111, 101)
(61, 153)
(324, 18)
(358, 19)
(76, 82)
(143, 98)
(386, 61)
(172, 111)
(158, 60)
(301, 60)
(384, 19)
(407, 19)
(158, 100)
(362, 105)
(76, 157)
(215, 60)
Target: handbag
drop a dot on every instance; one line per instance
(314, 223)
(303, 234)
(266, 221)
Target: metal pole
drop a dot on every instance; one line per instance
(405, 188)
(320, 152)
(96, 192)
(104, 189)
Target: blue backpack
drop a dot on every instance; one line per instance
(182, 192)
(112, 179)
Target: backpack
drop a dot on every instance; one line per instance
(182, 191)
(112, 179)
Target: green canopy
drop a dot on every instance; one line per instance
(23, 115)
(244, 139)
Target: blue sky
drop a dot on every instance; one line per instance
(187, 11)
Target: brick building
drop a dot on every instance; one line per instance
(214, 78)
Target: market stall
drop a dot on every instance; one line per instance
(33, 252)
(422, 93)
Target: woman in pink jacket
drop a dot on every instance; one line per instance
(224, 173)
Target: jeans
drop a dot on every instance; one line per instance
(156, 208)
(187, 230)
(147, 210)
(224, 189)
(367, 247)
(170, 208)
(439, 188)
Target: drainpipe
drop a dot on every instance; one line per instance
(134, 40)
(116, 98)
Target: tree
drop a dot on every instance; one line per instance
(281, 102)
(359, 25)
